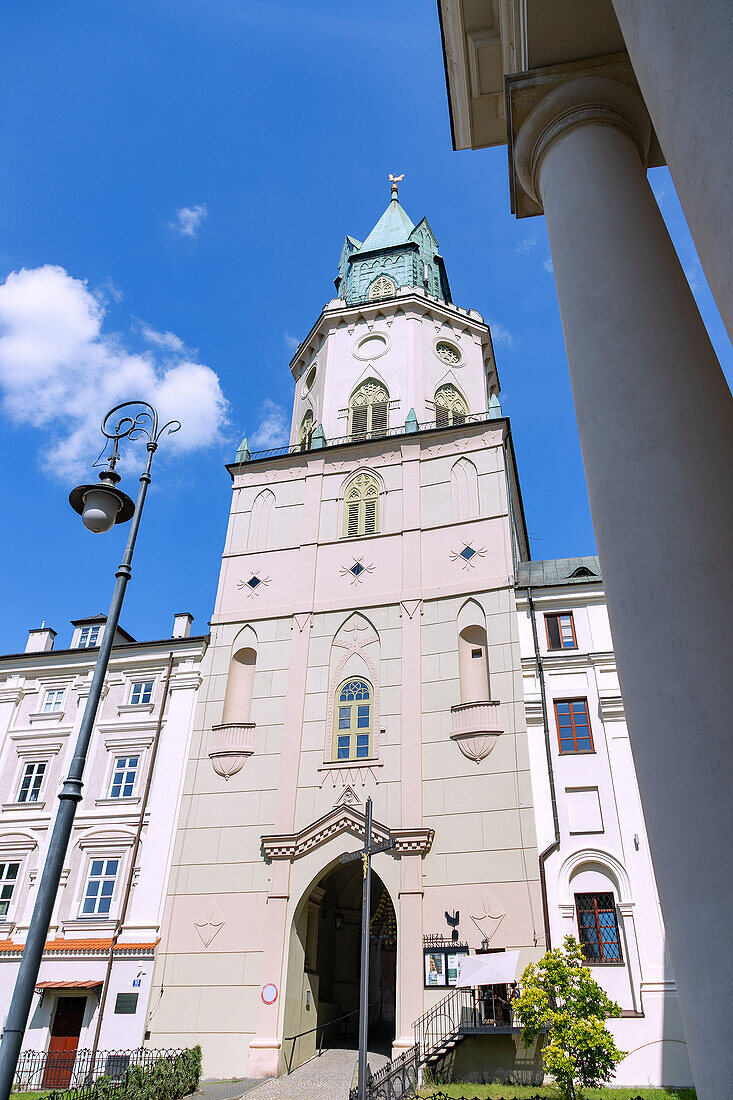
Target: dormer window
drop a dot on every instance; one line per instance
(382, 288)
(88, 637)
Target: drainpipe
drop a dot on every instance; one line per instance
(131, 870)
(554, 846)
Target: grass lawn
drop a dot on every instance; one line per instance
(523, 1092)
(27, 1095)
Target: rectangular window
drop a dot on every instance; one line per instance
(124, 776)
(30, 784)
(573, 725)
(100, 887)
(8, 879)
(598, 928)
(142, 692)
(53, 701)
(126, 1004)
(88, 637)
(560, 631)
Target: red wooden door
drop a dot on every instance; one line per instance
(64, 1041)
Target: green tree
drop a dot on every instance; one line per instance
(559, 996)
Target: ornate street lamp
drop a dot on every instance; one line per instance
(101, 507)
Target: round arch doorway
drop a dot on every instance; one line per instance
(324, 967)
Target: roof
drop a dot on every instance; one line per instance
(67, 947)
(88, 983)
(394, 227)
(559, 571)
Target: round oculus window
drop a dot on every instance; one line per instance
(449, 353)
(310, 379)
(371, 346)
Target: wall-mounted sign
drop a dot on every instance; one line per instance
(136, 983)
(269, 994)
(441, 965)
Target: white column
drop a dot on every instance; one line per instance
(682, 54)
(655, 423)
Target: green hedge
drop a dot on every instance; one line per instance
(170, 1078)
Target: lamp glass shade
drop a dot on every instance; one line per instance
(100, 510)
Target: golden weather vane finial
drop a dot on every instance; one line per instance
(395, 181)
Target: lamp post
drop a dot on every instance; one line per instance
(101, 507)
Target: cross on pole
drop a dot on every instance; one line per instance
(365, 855)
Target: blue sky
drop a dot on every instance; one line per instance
(177, 179)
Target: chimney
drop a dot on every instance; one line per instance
(40, 640)
(182, 624)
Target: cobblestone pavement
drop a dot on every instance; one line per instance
(326, 1078)
(225, 1090)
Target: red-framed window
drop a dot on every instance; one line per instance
(573, 725)
(561, 631)
(598, 928)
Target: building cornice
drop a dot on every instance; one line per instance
(81, 662)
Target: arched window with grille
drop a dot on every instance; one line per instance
(352, 734)
(305, 435)
(369, 410)
(450, 408)
(381, 288)
(361, 506)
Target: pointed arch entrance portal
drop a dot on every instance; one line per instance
(324, 964)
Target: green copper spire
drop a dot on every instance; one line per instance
(397, 253)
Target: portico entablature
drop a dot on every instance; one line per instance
(344, 819)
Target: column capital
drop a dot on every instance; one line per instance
(546, 104)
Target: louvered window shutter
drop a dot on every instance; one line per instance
(441, 416)
(352, 527)
(370, 516)
(380, 418)
(458, 417)
(359, 420)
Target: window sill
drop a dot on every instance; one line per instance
(51, 716)
(133, 800)
(23, 806)
(588, 962)
(362, 762)
(577, 752)
(136, 708)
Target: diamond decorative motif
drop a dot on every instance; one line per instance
(466, 553)
(254, 582)
(257, 583)
(357, 568)
(356, 571)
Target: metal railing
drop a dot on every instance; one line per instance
(60, 1069)
(462, 1010)
(365, 437)
(322, 1029)
(395, 1080)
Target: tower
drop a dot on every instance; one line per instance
(364, 642)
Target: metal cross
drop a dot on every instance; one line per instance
(365, 855)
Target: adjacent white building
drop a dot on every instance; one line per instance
(144, 719)
(595, 866)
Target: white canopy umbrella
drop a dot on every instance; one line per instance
(498, 968)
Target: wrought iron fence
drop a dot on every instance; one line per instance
(363, 437)
(77, 1070)
(394, 1081)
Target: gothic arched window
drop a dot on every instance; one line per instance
(361, 506)
(259, 524)
(450, 408)
(352, 734)
(369, 410)
(381, 288)
(305, 434)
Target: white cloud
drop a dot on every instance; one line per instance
(273, 429)
(291, 342)
(188, 219)
(167, 341)
(108, 291)
(547, 265)
(59, 372)
(527, 244)
(500, 334)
